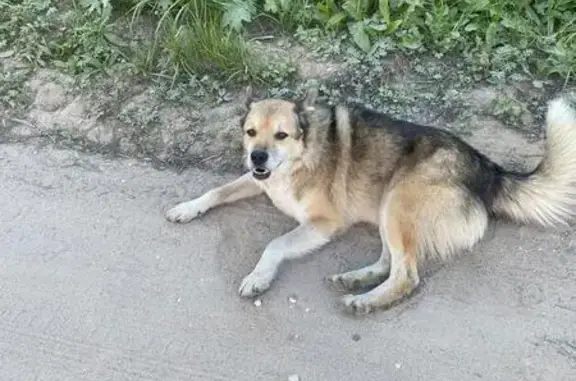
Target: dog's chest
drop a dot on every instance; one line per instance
(281, 194)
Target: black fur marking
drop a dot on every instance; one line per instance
(303, 123)
(332, 128)
(482, 177)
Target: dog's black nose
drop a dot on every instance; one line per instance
(259, 157)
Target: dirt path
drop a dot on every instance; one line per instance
(97, 286)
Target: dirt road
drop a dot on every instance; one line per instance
(96, 285)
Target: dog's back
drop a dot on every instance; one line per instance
(365, 153)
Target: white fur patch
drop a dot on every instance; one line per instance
(560, 112)
(279, 189)
(548, 197)
(187, 211)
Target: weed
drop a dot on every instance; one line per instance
(196, 43)
(26, 27)
(496, 39)
(78, 40)
(498, 36)
(203, 37)
(291, 15)
(13, 94)
(507, 109)
(89, 46)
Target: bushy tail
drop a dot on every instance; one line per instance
(547, 195)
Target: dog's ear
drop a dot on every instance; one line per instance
(305, 105)
(310, 98)
(247, 98)
(301, 109)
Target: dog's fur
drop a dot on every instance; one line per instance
(430, 193)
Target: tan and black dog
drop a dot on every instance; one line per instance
(430, 193)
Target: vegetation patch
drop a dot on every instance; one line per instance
(494, 38)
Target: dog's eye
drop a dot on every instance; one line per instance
(251, 132)
(281, 135)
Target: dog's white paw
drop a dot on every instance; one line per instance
(255, 284)
(358, 304)
(364, 277)
(187, 211)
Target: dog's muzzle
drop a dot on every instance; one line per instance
(261, 173)
(259, 157)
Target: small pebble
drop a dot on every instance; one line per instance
(294, 377)
(356, 337)
(307, 309)
(398, 365)
(293, 337)
(257, 302)
(292, 299)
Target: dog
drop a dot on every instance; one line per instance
(430, 193)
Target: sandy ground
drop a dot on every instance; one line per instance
(96, 285)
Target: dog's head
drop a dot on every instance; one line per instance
(274, 133)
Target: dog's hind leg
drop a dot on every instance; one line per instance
(241, 188)
(371, 275)
(416, 220)
(399, 236)
(303, 240)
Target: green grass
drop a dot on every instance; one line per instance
(190, 38)
(77, 39)
(25, 28)
(291, 15)
(196, 38)
(501, 35)
(208, 37)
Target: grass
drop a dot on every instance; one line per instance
(209, 37)
(199, 38)
(39, 33)
(24, 28)
(537, 37)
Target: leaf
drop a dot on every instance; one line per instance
(354, 9)
(393, 26)
(471, 27)
(236, 13)
(411, 40)
(378, 27)
(384, 7)
(336, 20)
(116, 40)
(360, 36)
(285, 4)
(271, 6)
(323, 9)
(7, 54)
(531, 14)
(106, 11)
(490, 36)
(102, 8)
(164, 4)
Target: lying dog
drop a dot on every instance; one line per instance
(430, 193)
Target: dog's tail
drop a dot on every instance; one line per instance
(547, 195)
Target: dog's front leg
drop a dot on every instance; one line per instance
(304, 239)
(241, 188)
